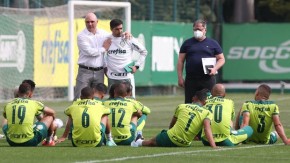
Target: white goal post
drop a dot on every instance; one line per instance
(71, 11)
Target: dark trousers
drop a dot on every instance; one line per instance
(192, 85)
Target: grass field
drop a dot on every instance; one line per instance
(162, 108)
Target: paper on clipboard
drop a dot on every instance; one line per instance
(208, 63)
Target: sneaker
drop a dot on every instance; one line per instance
(139, 136)
(111, 143)
(50, 143)
(137, 143)
(134, 144)
(2, 136)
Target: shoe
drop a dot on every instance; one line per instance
(134, 144)
(139, 136)
(2, 136)
(137, 143)
(111, 143)
(50, 143)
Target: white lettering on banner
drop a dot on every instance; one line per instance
(163, 49)
(267, 53)
(54, 51)
(13, 51)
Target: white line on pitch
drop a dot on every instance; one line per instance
(174, 153)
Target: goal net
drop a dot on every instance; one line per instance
(40, 44)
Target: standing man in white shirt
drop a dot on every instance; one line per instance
(119, 63)
(92, 44)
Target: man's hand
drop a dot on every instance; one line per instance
(134, 69)
(213, 71)
(107, 43)
(181, 82)
(60, 140)
(127, 35)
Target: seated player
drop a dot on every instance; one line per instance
(123, 117)
(223, 112)
(261, 114)
(57, 122)
(86, 117)
(18, 125)
(187, 121)
(100, 91)
(144, 109)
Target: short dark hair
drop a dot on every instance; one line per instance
(202, 94)
(129, 87)
(30, 82)
(112, 90)
(100, 87)
(115, 22)
(87, 93)
(120, 90)
(24, 88)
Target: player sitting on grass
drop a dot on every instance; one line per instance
(88, 121)
(18, 125)
(261, 114)
(100, 90)
(57, 123)
(123, 117)
(187, 121)
(144, 109)
(221, 126)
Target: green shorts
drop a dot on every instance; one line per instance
(163, 140)
(103, 139)
(130, 139)
(39, 131)
(235, 138)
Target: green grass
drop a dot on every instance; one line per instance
(162, 109)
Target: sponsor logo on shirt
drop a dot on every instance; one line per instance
(117, 51)
(86, 141)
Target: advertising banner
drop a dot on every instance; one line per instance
(256, 51)
(16, 52)
(163, 41)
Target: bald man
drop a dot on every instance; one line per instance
(92, 43)
(223, 113)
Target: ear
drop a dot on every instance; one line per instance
(30, 94)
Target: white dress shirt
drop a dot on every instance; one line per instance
(91, 50)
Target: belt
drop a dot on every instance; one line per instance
(91, 68)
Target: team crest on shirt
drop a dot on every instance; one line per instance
(122, 43)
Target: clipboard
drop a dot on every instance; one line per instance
(208, 63)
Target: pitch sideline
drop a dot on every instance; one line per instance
(174, 153)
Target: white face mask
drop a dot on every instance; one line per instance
(197, 34)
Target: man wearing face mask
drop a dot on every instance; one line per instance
(192, 51)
